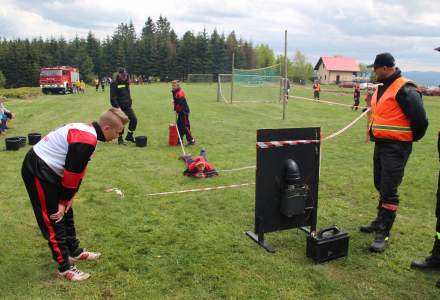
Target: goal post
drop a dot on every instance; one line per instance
(251, 85)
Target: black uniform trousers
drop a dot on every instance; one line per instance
(437, 208)
(61, 236)
(184, 126)
(132, 124)
(390, 158)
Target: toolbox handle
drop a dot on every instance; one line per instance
(331, 228)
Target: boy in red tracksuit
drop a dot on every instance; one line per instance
(198, 167)
(182, 110)
(52, 172)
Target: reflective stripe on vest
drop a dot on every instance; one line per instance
(120, 86)
(388, 120)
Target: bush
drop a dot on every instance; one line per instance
(21, 93)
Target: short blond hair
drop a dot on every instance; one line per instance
(112, 117)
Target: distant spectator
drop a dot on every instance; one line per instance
(96, 83)
(3, 119)
(316, 90)
(5, 116)
(77, 86)
(102, 83)
(356, 96)
(82, 86)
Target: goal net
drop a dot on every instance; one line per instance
(256, 85)
(200, 78)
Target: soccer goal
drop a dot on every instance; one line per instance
(200, 78)
(255, 85)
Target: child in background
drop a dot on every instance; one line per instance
(182, 110)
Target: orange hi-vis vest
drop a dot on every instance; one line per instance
(387, 119)
(317, 87)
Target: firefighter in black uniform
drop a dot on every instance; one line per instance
(120, 97)
(432, 262)
(398, 119)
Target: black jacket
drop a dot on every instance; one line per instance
(410, 101)
(120, 94)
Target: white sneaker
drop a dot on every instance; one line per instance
(73, 274)
(85, 255)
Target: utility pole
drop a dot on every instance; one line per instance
(285, 76)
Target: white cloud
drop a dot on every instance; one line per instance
(358, 28)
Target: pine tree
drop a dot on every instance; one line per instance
(93, 47)
(158, 51)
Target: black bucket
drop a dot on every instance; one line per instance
(141, 141)
(23, 141)
(34, 138)
(12, 143)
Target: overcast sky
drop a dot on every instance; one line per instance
(409, 29)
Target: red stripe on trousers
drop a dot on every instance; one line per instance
(52, 239)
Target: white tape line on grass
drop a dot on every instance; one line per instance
(203, 189)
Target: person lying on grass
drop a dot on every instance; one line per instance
(199, 166)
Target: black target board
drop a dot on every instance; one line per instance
(287, 176)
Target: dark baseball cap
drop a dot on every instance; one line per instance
(383, 60)
(122, 70)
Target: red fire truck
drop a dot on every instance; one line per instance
(58, 79)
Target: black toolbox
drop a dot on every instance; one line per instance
(328, 244)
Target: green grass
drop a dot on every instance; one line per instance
(192, 246)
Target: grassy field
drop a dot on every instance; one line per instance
(192, 246)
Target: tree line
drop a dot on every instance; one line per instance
(156, 51)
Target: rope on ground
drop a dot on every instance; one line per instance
(324, 101)
(203, 189)
(346, 127)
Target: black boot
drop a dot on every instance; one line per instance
(370, 228)
(438, 284)
(373, 226)
(130, 137)
(191, 142)
(381, 239)
(431, 262)
(121, 140)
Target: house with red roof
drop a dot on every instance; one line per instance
(335, 69)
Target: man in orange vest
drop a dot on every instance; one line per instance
(316, 90)
(398, 118)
